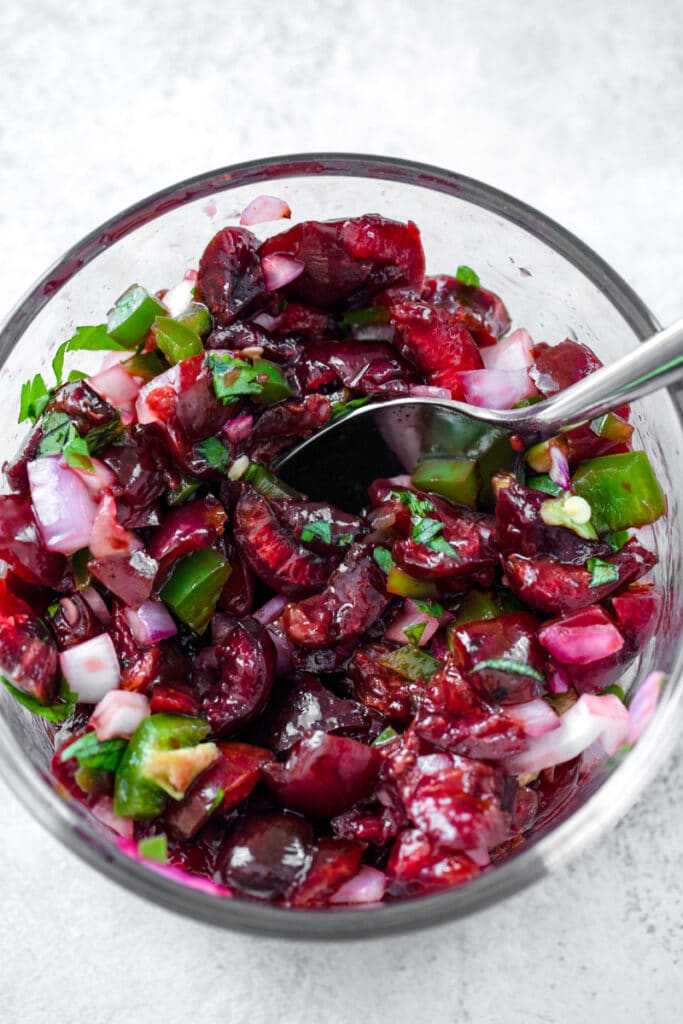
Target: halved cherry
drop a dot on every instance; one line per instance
(230, 279)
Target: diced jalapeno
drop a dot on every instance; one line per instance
(612, 428)
(476, 606)
(274, 384)
(457, 479)
(187, 486)
(194, 586)
(197, 318)
(133, 315)
(622, 491)
(411, 663)
(404, 585)
(175, 339)
(267, 484)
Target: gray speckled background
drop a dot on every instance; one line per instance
(576, 108)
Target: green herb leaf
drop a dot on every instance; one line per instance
(86, 339)
(214, 452)
(154, 848)
(425, 530)
(53, 712)
(340, 408)
(93, 753)
(508, 665)
(543, 483)
(76, 454)
(317, 530)
(383, 558)
(417, 506)
(386, 736)
(34, 398)
(414, 632)
(433, 608)
(467, 276)
(58, 431)
(601, 572)
(232, 377)
(344, 540)
(441, 545)
(217, 800)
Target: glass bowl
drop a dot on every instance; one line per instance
(552, 284)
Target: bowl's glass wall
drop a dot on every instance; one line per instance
(551, 285)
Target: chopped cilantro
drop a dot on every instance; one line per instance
(154, 848)
(317, 529)
(601, 572)
(433, 608)
(53, 712)
(542, 482)
(344, 539)
(508, 665)
(34, 398)
(341, 408)
(86, 339)
(425, 529)
(441, 545)
(414, 632)
(217, 800)
(93, 753)
(232, 377)
(77, 454)
(467, 276)
(214, 452)
(383, 558)
(60, 436)
(417, 506)
(386, 736)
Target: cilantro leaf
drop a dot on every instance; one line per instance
(467, 276)
(519, 668)
(317, 529)
(543, 483)
(86, 339)
(424, 530)
(93, 753)
(60, 436)
(340, 408)
(34, 397)
(217, 800)
(77, 454)
(214, 452)
(417, 506)
(232, 377)
(385, 736)
(601, 572)
(414, 632)
(154, 848)
(441, 545)
(433, 608)
(383, 558)
(53, 712)
(344, 539)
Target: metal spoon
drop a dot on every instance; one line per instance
(384, 438)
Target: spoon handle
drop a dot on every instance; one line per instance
(656, 363)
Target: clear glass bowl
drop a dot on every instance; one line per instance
(551, 283)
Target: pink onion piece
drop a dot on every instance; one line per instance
(427, 391)
(559, 468)
(130, 578)
(481, 857)
(238, 429)
(559, 680)
(263, 209)
(108, 539)
(168, 379)
(103, 810)
(117, 386)
(101, 478)
(280, 269)
(283, 649)
(592, 718)
(118, 714)
(516, 352)
(271, 610)
(265, 320)
(96, 602)
(535, 717)
(409, 616)
(368, 886)
(151, 623)
(91, 669)
(63, 508)
(401, 481)
(644, 704)
(581, 645)
(496, 389)
(113, 359)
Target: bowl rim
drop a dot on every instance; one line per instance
(68, 822)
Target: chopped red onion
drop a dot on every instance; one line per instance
(427, 391)
(516, 352)
(280, 269)
(63, 508)
(151, 623)
(263, 209)
(283, 649)
(591, 718)
(238, 429)
(559, 468)
(100, 478)
(580, 645)
(368, 886)
(118, 714)
(480, 856)
(265, 320)
(271, 610)
(91, 669)
(117, 386)
(496, 389)
(96, 602)
(178, 298)
(559, 680)
(644, 704)
(103, 810)
(535, 717)
(408, 617)
(108, 539)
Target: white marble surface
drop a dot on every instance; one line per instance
(576, 108)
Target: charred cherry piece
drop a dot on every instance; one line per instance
(74, 622)
(324, 775)
(267, 855)
(436, 342)
(334, 862)
(187, 528)
(554, 588)
(235, 674)
(379, 687)
(234, 775)
(418, 864)
(302, 704)
(451, 716)
(28, 654)
(22, 547)
(520, 530)
(271, 551)
(354, 597)
(509, 639)
(230, 279)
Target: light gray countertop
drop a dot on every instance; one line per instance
(576, 108)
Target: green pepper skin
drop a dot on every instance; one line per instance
(275, 387)
(411, 663)
(134, 795)
(267, 484)
(622, 491)
(194, 586)
(133, 315)
(457, 479)
(176, 340)
(404, 585)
